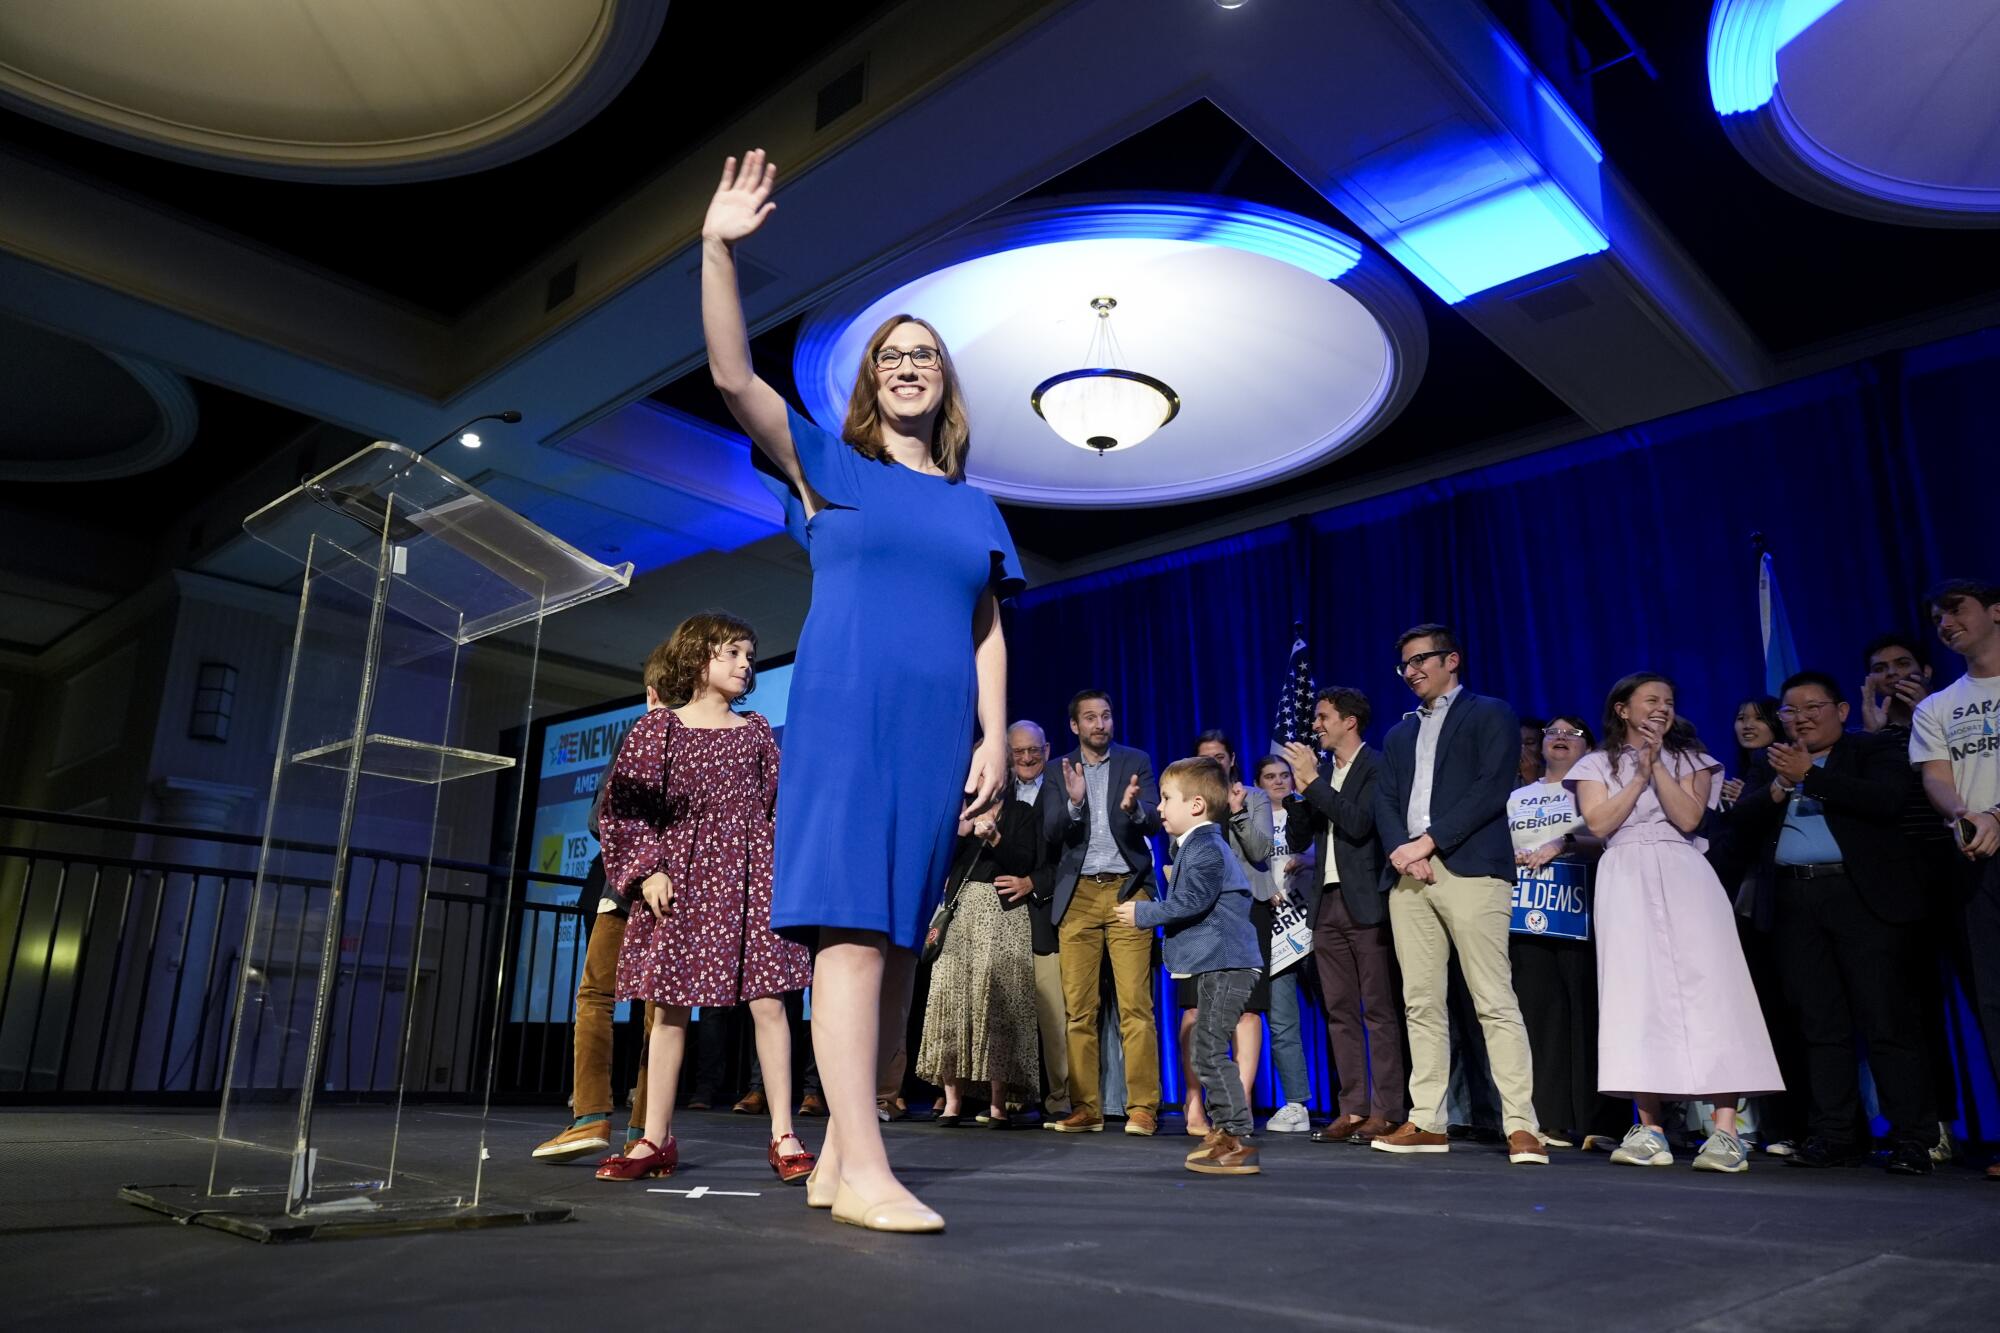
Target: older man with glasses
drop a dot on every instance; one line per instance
(1846, 925)
(1028, 761)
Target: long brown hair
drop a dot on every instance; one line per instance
(677, 668)
(1680, 737)
(951, 433)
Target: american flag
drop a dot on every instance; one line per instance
(1295, 696)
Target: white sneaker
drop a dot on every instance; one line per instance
(1643, 1147)
(1291, 1118)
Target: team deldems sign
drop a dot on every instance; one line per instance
(1551, 901)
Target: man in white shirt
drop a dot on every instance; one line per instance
(1955, 745)
(1335, 814)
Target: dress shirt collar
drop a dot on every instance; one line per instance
(1182, 840)
(1442, 705)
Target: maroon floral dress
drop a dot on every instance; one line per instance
(698, 803)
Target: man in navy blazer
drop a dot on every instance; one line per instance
(1108, 809)
(1441, 813)
(1334, 815)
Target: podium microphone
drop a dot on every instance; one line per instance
(466, 437)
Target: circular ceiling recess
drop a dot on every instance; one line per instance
(70, 412)
(325, 90)
(1878, 108)
(1286, 342)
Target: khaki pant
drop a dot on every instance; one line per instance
(596, 999)
(1427, 922)
(1087, 933)
(1050, 1014)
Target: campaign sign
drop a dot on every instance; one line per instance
(1291, 931)
(1551, 901)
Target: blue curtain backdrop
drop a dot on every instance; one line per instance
(1561, 572)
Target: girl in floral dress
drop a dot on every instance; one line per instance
(687, 828)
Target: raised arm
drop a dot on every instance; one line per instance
(740, 205)
(1254, 831)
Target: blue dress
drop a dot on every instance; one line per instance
(879, 727)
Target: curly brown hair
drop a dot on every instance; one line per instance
(676, 669)
(951, 434)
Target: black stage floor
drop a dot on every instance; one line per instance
(1047, 1233)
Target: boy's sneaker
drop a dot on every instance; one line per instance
(1291, 1118)
(1227, 1156)
(579, 1140)
(1643, 1146)
(1207, 1142)
(1723, 1152)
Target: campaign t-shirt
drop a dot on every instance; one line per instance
(1961, 723)
(1540, 813)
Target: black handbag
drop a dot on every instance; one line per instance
(968, 854)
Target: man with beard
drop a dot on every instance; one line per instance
(1109, 808)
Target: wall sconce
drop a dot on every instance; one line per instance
(214, 702)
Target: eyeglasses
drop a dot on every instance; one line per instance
(1418, 659)
(1790, 711)
(1562, 733)
(921, 358)
(1028, 751)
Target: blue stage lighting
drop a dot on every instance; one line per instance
(1744, 38)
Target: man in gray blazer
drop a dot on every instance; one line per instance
(1334, 814)
(1100, 830)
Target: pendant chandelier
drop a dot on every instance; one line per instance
(1104, 407)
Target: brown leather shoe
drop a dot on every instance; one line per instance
(813, 1104)
(1407, 1138)
(1373, 1128)
(1207, 1142)
(753, 1103)
(1076, 1122)
(1525, 1149)
(1340, 1131)
(1141, 1122)
(1227, 1156)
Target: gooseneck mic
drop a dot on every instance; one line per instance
(510, 416)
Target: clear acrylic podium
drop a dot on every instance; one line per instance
(372, 959)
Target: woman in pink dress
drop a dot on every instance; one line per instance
(1677, 1014)
(687, 826)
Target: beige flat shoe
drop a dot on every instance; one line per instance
(820, 1194)
(908, 1218)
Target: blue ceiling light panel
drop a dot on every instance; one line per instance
(1468, 205)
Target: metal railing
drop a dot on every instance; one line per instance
(119, 969)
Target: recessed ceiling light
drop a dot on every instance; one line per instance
(469, 440)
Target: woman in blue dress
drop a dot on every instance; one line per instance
(900, 665)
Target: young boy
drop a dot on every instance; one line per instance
(1209, 937)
